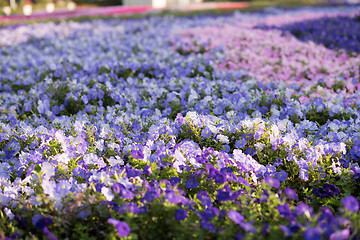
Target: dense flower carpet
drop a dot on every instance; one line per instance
(243, 126)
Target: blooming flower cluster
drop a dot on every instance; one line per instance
(330, 36)
(181, 128)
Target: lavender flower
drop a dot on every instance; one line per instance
(291, 193)
(235, 216)
(273, 182)
(350, 203)
(122, 228)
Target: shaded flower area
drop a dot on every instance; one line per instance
(326, 31)
(178, 128)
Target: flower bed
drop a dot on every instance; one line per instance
(180, 128)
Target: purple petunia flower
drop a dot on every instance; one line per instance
(150, 195)
(210, 213)
(220, 178)
(147, 170)
(122, 228)
(135, 126)
(235, 216)
(355, 150)
(204, 198)
(12, 148)
(191, 183)
(291, 193)
(240, 143)
(302, 209)
(179, 120)
(201, 159)
(174, 180)
(49, 234)
(273, 182)
(328, 190)
(137, 152)
(212, 171)
(181, 214)
(132, 172)
(350, 203)
(258, 134)
(239, 236)
(286, 230)
(172, 197)
(285, 211)
(281, 176)
(250, 151)
(312, 234)
(248, 227)
(207, 225)
(206, 132)
(340, 234)
(224, 194)
(132, 207)
(304, 174)
(295, 227)
(243, 181)
(122, 191)
(226, 148)
(41, 222)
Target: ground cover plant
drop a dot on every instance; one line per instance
(243, 126)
